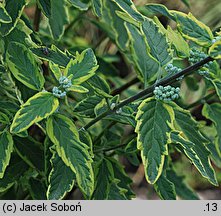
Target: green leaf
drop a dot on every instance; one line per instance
(213, 113)
(9, 105)
(61, 179)
(78, 88)
(153, 119)
(23, 134)
(131, 146)
(13, 172)
(6, 148)
(115, 25)
(55, 70)
(181, 46)
(129, 7)
(85, 138)
(133, 159)
(182, 189)
(23, 66)
(79, 4)
(54, 54)
(35, 109)
(99, 85)
(30, 151)
(124, 16)
(47, 157)
(157, 41)
(21, 34)
(85, 108)
(45, 6)
(125, 180)
(116, 192)
(217, 85)
(4, 16)
(215, 50)
(104, 176)
(97, 4)
(112, 183)
(194, 146)
(82, 67)
(25, 92)
(37, 189)
(214, 154)
(214, 70)
(159, 9)
(9, 194)
(118, 30)
(58, 9)
(192, 29)
(4, 118)
(165, 188)
(14, 10)
(73, 152)
(146, 64)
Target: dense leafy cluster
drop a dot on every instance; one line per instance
(72, 118)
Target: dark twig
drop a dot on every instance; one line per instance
(124, 87)
(114, 147)
(37, 18)
(149, 91)
(110, 149)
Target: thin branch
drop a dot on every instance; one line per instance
(114, 147)
(37, 18)
(111, 148)
(124, 87)
(149, 91)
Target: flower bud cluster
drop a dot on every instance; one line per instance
(203, 72)
(171, 69)
(58, 93)
(65, 82)
(61, 91)
(196, 56)
(167, 93)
